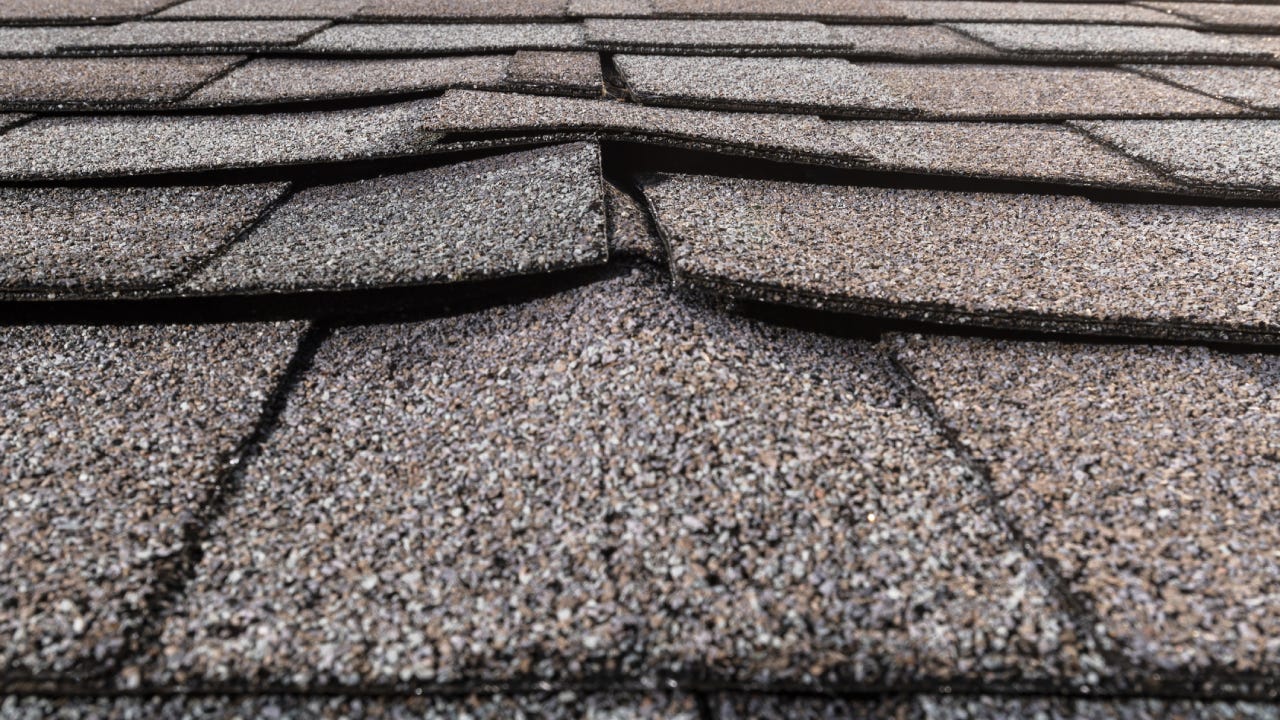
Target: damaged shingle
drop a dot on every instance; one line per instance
(526, 212)
(567, 72)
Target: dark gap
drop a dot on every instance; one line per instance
(615, 84)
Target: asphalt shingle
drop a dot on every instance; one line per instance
(1242, 154)
(460, 37)
(111, 438)
(80, 82)
(610, 8)
(162, 36)
(1146, 473)
(1044, 12)
(280, 80)
(555, 489)
(1086, 41)
(736, 35)
(104, 146)
(72, 241)
(261, 9)
(562, 72)
(526, 212)
(1004, 260)
(1225, 16)
(1256, 86)
(31, 41)
(907, 42)
(77, 10)
(816, 9)
(984, 707)
(464, 9)
(629, 233)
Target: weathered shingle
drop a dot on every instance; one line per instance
(527, 212)
(906, 41)
(1256, 86)
(1054, 11)
(261, 9)
(1223, 15)
(111, 438)
(29, 41)
(565, 72)
(411, 38)
(983, 707)
(1056, 262)
(739, 35)
(78, 10)
(279, 80)
(1230, 153)
(71, 82)
(1146, 473)
(817, 9)
(101, 146)
(464, 9)
(196, 35)
(629, 233)
(60, 241)
(1054, 41)
(554, 490)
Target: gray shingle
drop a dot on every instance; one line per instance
(906, 41)
(737, 35)
(77, 10)
(196, 35)
(459, 37)
(464, 9)
(555, 489)
(261, 9)
(629, 233)
(522, 213)
(1003, 260)
(1053, 41)
(1240, 154)
(103, 146)
(72, 82)
(1256, 86)
(610, 8)
(274, 80)
(1146, 473)
(63, 241)
(562, 72)
(813, 9)
(1054, 11)
(28, 41)
(1225, 16)
(111, 438)
(8, 120)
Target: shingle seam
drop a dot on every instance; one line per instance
(231, 67)
(1159, 170)
(174, 572)
(1142, 70)
(168, 6)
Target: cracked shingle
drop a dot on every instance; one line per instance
(68, 147)
(1003, 260)
(610, 481)
(527, 212)
(111, 439)
(69, 241)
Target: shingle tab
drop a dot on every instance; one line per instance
(61, 241)
(280, 80)
(196, 35)
(629, 233)
(460, 37)
(522, 213)
(77, 10)
(464, 9)
(1225, 16)
(29, 41)
(95, 82)
(610, 8)
(906, 41)
(1243, 154)
(1256, 86)
(1061, 41)
(103, 146)
(1004, 260)
(816, 9)
(111, 438)
(736, 35)
(1146, 473)
(554, 490)
(261, 9)
(983, 707)
(565, 72)
(1004, 11)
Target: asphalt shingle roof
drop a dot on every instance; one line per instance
(639, 359)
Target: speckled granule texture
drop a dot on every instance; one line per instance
(72, 10)
(836, 9)
(1081, 12)
(1257, 86)
(464, 9)
(212, 34)
(551, 706)
(8, 120)
(269, 80)
(516, 214)
(77, 240)
(610, 8)
(72, 82)
(25, 41)
(110, 439)
(474, 111)
(742, 706)
(737, 34)
(981, 707)
(609, 480)
(568, 71)
(1230, 153)
(1147, 473)
(811, 83)
(261, 9)
(998, 150)
(629, 233)
(1002, 258)
(1225, 16)
(1011, 91)
(59, 147)
(1106, 41)
(456, 37)
(906, 41)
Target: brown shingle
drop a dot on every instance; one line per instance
(1255, 86)
(1085, 42)
(71, 82)
(196, 34)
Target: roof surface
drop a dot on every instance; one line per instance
(639, 359)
